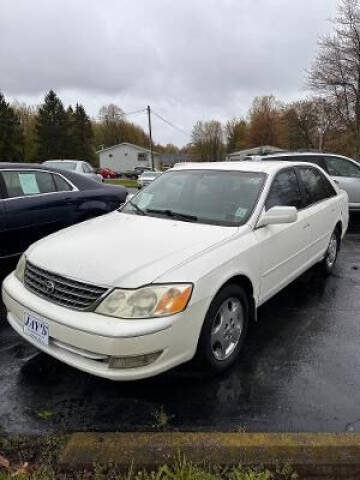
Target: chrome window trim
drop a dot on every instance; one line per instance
(74, 187)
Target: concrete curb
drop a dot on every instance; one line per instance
(323, 454)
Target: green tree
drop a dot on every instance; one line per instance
(82, 135)
(11, 135)
(52, 129)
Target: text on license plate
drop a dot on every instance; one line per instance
(35, 328)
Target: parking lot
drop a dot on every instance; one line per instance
(298, 372)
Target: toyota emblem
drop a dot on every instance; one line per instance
(49, 286)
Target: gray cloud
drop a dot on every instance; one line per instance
(190, 59)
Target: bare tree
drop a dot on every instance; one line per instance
(336, 70)
(207, 141)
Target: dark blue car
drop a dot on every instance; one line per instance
(36, 200)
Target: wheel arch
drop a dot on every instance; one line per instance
(339, 229)
(244, 282)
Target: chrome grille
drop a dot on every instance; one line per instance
(61, 290)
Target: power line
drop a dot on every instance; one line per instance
(171, 124)
(126, 114)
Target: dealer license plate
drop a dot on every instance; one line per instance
(36, 328)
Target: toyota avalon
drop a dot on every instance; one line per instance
(190, 259)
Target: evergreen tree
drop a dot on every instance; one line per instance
(52, 129)
(11, 135)
(82, 136)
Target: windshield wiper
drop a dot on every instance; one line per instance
(137, 208)
(171, 213)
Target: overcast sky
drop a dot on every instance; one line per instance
(189, 59)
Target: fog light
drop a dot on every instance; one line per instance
(134, 361)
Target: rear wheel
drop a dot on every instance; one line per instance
(224, 329)
(331, 253)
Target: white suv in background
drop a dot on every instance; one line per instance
(78, 166)
(343, 170)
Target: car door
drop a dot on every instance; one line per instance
(346, 173)
(283, 247)
(33, 208)
(322, 207)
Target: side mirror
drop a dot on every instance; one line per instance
(276, 215)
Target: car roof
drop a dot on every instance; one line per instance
(299, 154)
(237, 166)
(63, 160)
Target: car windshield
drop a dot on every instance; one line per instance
(62, 165)
(216, 197)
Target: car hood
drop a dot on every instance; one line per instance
(124, 250)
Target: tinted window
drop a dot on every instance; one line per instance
(211, 196)
(24, 183)
(61, 184)
(284, 191)
(315, 185)
(340, 167)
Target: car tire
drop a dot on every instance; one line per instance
(328, 263)
(224, 330)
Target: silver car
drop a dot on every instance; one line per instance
(343, 170)
(78, 166)
(146, 178)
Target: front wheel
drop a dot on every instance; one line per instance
(224, 329)
(331, 253)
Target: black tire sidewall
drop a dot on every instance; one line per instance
(204, 354)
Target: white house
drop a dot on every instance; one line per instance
(126, 156)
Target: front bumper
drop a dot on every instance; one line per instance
(87, 341)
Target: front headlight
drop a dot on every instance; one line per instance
(20, 268)
(146, 302)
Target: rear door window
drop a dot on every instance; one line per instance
(26, 183)
(315, 186)
(284, 190)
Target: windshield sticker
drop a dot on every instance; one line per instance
(144, 200)
(28, 183)
(241, 212)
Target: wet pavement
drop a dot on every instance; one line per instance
(299, 371)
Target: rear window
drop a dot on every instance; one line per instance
(26, 183)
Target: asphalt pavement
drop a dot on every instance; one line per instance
(299, 371)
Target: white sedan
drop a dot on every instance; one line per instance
(189, 260)
(78, 166)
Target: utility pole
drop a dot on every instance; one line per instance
(151, 152)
